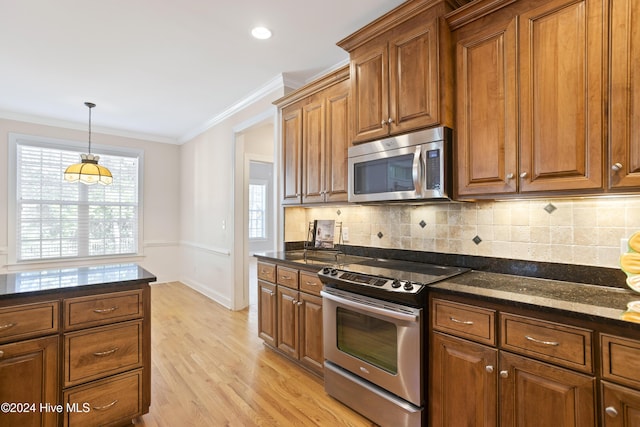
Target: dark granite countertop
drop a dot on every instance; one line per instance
(578, 299)
(33, 282)
(591, 302)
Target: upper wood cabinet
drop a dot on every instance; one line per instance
(624, 106)
(530, 95)
(315, 138)
(401, 71)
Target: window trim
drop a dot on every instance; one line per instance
(63, 144)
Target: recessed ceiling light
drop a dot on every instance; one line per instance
(261, 33)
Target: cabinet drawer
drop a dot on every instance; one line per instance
(463, 320)
(103, 351)
(102, 309)
(287, 277)
(28, 320)
(568, 346)
(108, 402)
(267, 272)
(621, 360)
(309, 282)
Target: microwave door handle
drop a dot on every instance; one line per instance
(370, 308)
(417, 171)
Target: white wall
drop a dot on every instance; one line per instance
(161, 188)
(211, 227)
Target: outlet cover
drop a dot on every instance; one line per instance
(345, 234)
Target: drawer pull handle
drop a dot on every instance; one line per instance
(611, 411)
(105, 310)
(463, 322)
(553, 343)
(7, 326)
(285, 277)
(310, 284)
(106, 353)
(105, 407)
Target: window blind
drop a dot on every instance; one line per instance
(57, 219)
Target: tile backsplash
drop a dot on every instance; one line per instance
(573, 231)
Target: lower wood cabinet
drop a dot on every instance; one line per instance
(621, 405)
(290, 314)
(483, 384)
(29, 379)
(78, 357)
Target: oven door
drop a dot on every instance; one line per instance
(378, 341)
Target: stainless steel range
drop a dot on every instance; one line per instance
(374, 313)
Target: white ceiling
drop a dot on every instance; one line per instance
(162, 69)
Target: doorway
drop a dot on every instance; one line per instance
(260, 214)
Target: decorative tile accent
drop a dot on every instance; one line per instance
(380, 234)
(477, 240)
(550, 208)
(423, 224)
(338, 212)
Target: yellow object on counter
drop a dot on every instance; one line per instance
(634, 241)
(631, 316)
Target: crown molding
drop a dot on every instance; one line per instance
(47, 121)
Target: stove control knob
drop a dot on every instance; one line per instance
(334, 272)
(395, 283)
(408, 286)
(326, 270)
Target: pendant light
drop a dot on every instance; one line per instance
(88, 171)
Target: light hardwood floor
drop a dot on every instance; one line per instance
(209, 368)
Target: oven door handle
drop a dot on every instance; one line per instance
(370, 308)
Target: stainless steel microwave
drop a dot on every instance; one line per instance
(410, 167)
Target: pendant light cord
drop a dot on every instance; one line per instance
(90, 105)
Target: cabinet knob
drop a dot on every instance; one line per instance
(616, 166)
(390, 120)
(504, 374)
(1, 353)
(384, 123)
(294, 302)
(523, 175)
(611, 411)
(509, 177)
(489, 368)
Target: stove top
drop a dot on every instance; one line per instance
(390, 280)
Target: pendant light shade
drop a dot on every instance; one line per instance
(88, 171)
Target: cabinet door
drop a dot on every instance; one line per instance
(291, 154)
(538, 394)
(621, 406)
(288, 321)
(624, 159)
(370, 91)
(561, 86)
(311, 345)
(462, 386)
(313, 150)
(336, 143)
(414, 96)
(29, 374)
(267, 319)
(487, 131)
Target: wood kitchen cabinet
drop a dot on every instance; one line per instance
(475, 380)
(29, 376)
(530, 95)
(315, 139)
(400, 68)
(290, 313)
(620, 364)
(623, 164)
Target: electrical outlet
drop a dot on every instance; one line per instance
(345, 234)
(624, 245)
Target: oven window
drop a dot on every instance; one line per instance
(384, 175)
(368, 338)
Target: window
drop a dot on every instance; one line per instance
(54, 219)
(257, 210)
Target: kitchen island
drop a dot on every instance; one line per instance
(75, 346)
